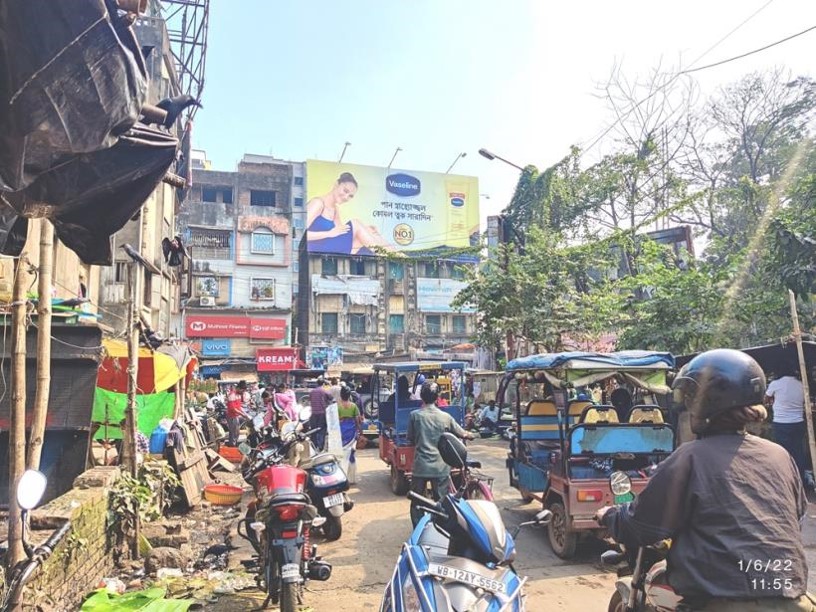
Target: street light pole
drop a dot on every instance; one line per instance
(491, 156)
(458, 157)
(394, 157)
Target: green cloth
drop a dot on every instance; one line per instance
(348, 411)
(109, 407)
(425, 428)
(149, 600)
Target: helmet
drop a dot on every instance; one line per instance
(452, 450)
(429, 392)
(716, 381)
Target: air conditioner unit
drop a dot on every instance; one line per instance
(207, 301)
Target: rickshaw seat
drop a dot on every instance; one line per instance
(646, 414)
(575, 409)
(539, 428)
(541, 408)
(599, 414)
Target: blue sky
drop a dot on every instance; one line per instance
(297, 79)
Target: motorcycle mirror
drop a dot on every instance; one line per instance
(318, 521)
(30, 489)
(543, 517)
(620, 483)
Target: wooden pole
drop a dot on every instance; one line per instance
(43, 346)
(129, 433)
(797, 335)
(17, 440)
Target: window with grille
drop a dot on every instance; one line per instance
(396, 271)
(298, 180)
(261, 198)
(433, 324)
(211, 243)
(357, 324)
(459, 324)
(227, 195)
(396, 324)
(262, 289)
(457, 272)
(263, 241)
(431, 270)
(298, 201)
(358, 267)
(328, 322)
(329, 266)
(209, 194)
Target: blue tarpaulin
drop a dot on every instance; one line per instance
(586, 360)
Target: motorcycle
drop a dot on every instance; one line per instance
(642, 585)
(459, 556)
(278, 524)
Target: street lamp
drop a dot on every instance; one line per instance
(394, 157)
(345, 146)
(491, 156)
(458, 157)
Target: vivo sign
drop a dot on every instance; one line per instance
(403, 185)
(216, 348)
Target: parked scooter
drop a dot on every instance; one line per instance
(30, 490)
(642, 584)
(459, 556)
(278, 523)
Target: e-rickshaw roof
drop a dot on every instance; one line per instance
(419, 366)
(645, 369)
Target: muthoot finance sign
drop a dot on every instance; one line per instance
(361, 210)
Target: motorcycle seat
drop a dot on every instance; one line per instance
(291, 498)
(316, 460)
(434, 540)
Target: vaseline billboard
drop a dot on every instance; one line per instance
(364, 210)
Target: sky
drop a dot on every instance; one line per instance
(298, 78)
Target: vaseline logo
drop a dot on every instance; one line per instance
(403, 234)
(402, 184)
(457, 202)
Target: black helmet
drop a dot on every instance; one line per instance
(429, 392)
(452, 450)
(716, 381)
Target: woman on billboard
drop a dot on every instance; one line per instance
(327, 234)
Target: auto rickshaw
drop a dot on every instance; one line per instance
(395, 412)
(568, 442)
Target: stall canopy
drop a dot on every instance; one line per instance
(773, 358)
(158, 370)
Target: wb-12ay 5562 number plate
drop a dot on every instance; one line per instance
(471, 578)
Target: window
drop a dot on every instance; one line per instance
(211, 244)
(227, 195)
(263, 241)
(206, 286)
(298, 180)
(261, 198)
(209, 194)
(431, 270)
(120, 272)
(396, 270)
(328, 322)
(457, 272)
(396, 324)
(357, 324)
(433, 324)
(357, 267)
(297, 223)
(329, 266)
(148, 288)
(298, 201)
(459, 325)
(262, 289)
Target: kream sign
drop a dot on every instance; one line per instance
(276, 359)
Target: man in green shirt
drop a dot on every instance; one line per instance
(426, 426)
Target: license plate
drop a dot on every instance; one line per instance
(290, 570)
(333, 500)
(471, 578)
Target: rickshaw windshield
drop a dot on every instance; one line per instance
(606, 439)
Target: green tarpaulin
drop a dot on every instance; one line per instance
(109, 411)
(149, 600)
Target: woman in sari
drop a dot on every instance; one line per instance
(350, 427)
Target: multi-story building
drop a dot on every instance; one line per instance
(237, 297)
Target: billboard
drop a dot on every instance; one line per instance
(436, 295)
(217, 326)
(358, 210)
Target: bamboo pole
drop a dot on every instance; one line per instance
(43, 390)
(129, 433)
(797, 335)
(17, 440)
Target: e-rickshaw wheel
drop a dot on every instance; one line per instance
(399, 482)
(563, 542)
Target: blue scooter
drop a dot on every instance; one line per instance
(459, 556)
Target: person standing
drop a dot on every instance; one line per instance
(350, 428)
(425, 428)
(334, 389)
(787, 397)
(235, 410)
(319, 398)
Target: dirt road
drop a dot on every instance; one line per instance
(374, 530)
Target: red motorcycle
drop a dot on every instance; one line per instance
(277, 525)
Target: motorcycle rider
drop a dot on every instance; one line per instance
(731, 502)
(425, 428)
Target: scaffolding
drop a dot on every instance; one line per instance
(187, 22)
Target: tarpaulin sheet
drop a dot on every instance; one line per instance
(589, 361)
(109, 410)
(147, 600)
(158, 370)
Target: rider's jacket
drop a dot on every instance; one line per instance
(732, 505)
